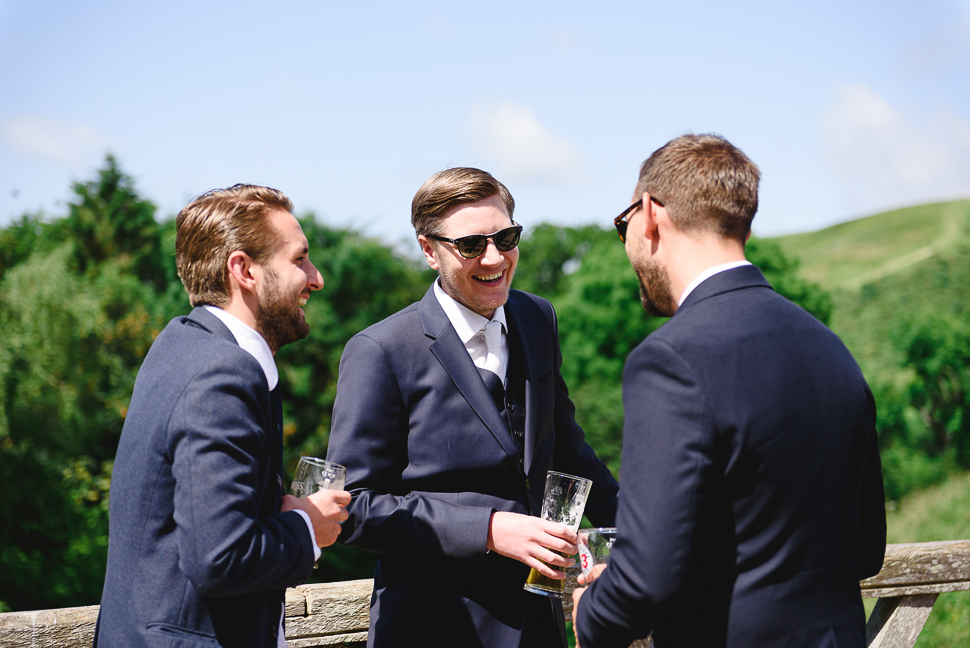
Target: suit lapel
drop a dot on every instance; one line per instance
(451, 353)
(522, 340)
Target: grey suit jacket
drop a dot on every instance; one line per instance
(752, 499)
(198, 552)
(429, 459)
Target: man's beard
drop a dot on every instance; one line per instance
(655, 290)
(279, 320)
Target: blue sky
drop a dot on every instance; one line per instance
(848, 107)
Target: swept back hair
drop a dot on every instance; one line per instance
(218, 223)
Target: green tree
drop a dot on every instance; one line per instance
(937, 351)
(109, 220)
(79, 307)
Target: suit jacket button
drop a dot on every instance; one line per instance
(527, 483)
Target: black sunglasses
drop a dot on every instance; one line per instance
(474, 245)
(623, 219)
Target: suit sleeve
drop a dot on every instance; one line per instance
(573, 455)
(369, 436)
(668, 451)
(871, 548)
(219, 444)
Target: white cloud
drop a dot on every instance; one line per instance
(521, 147)
(884, 158)
(72, 145)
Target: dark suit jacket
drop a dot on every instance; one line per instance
(752, 499)
(198, 552)
(429, 459)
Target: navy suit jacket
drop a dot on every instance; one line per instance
(429, 459)
(198, 551)
(752, 500)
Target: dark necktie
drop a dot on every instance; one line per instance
(494, 385)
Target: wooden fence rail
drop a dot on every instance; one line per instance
(336, 614)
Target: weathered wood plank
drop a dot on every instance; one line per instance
(923, 563)
(912, 590)
(62, 628)
(897, 622)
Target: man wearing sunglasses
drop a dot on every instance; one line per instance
(448, 415)
(752, 499)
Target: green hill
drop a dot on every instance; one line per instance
(887, 269)
(849, 255)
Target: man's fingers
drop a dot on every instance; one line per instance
(340, 498)
(594, 573)
(545, 569)
(555, 559)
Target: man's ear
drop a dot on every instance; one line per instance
(241, 269)
(652, 217)
(430, 253)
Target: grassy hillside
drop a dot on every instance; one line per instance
(850, 255)
(884, 270)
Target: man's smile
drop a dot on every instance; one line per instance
(490, 278)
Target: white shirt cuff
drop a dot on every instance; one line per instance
(313, 536)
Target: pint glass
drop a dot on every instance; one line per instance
(594, 547)
(563, 502)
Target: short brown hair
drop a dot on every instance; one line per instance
(705, 182)
(216, 224)
(445, 189)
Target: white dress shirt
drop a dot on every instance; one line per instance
(707, 274)
(469, 324)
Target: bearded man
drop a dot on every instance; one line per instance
(752, 500)
(202, 541)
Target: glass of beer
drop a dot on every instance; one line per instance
(594, 547)
(314, 474)
(563, 502)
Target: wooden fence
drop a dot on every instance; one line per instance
(336, 614)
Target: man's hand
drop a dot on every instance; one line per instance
(594, 573)
(533, 541)
(579, 591)
(326, 511)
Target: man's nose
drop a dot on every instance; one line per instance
(314, 278)
(491, 255)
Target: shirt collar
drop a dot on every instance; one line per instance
(707, 274)
(467, 322)
(251, 341)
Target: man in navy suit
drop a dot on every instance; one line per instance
(752, 499)
(203, 542)
(448, 415)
